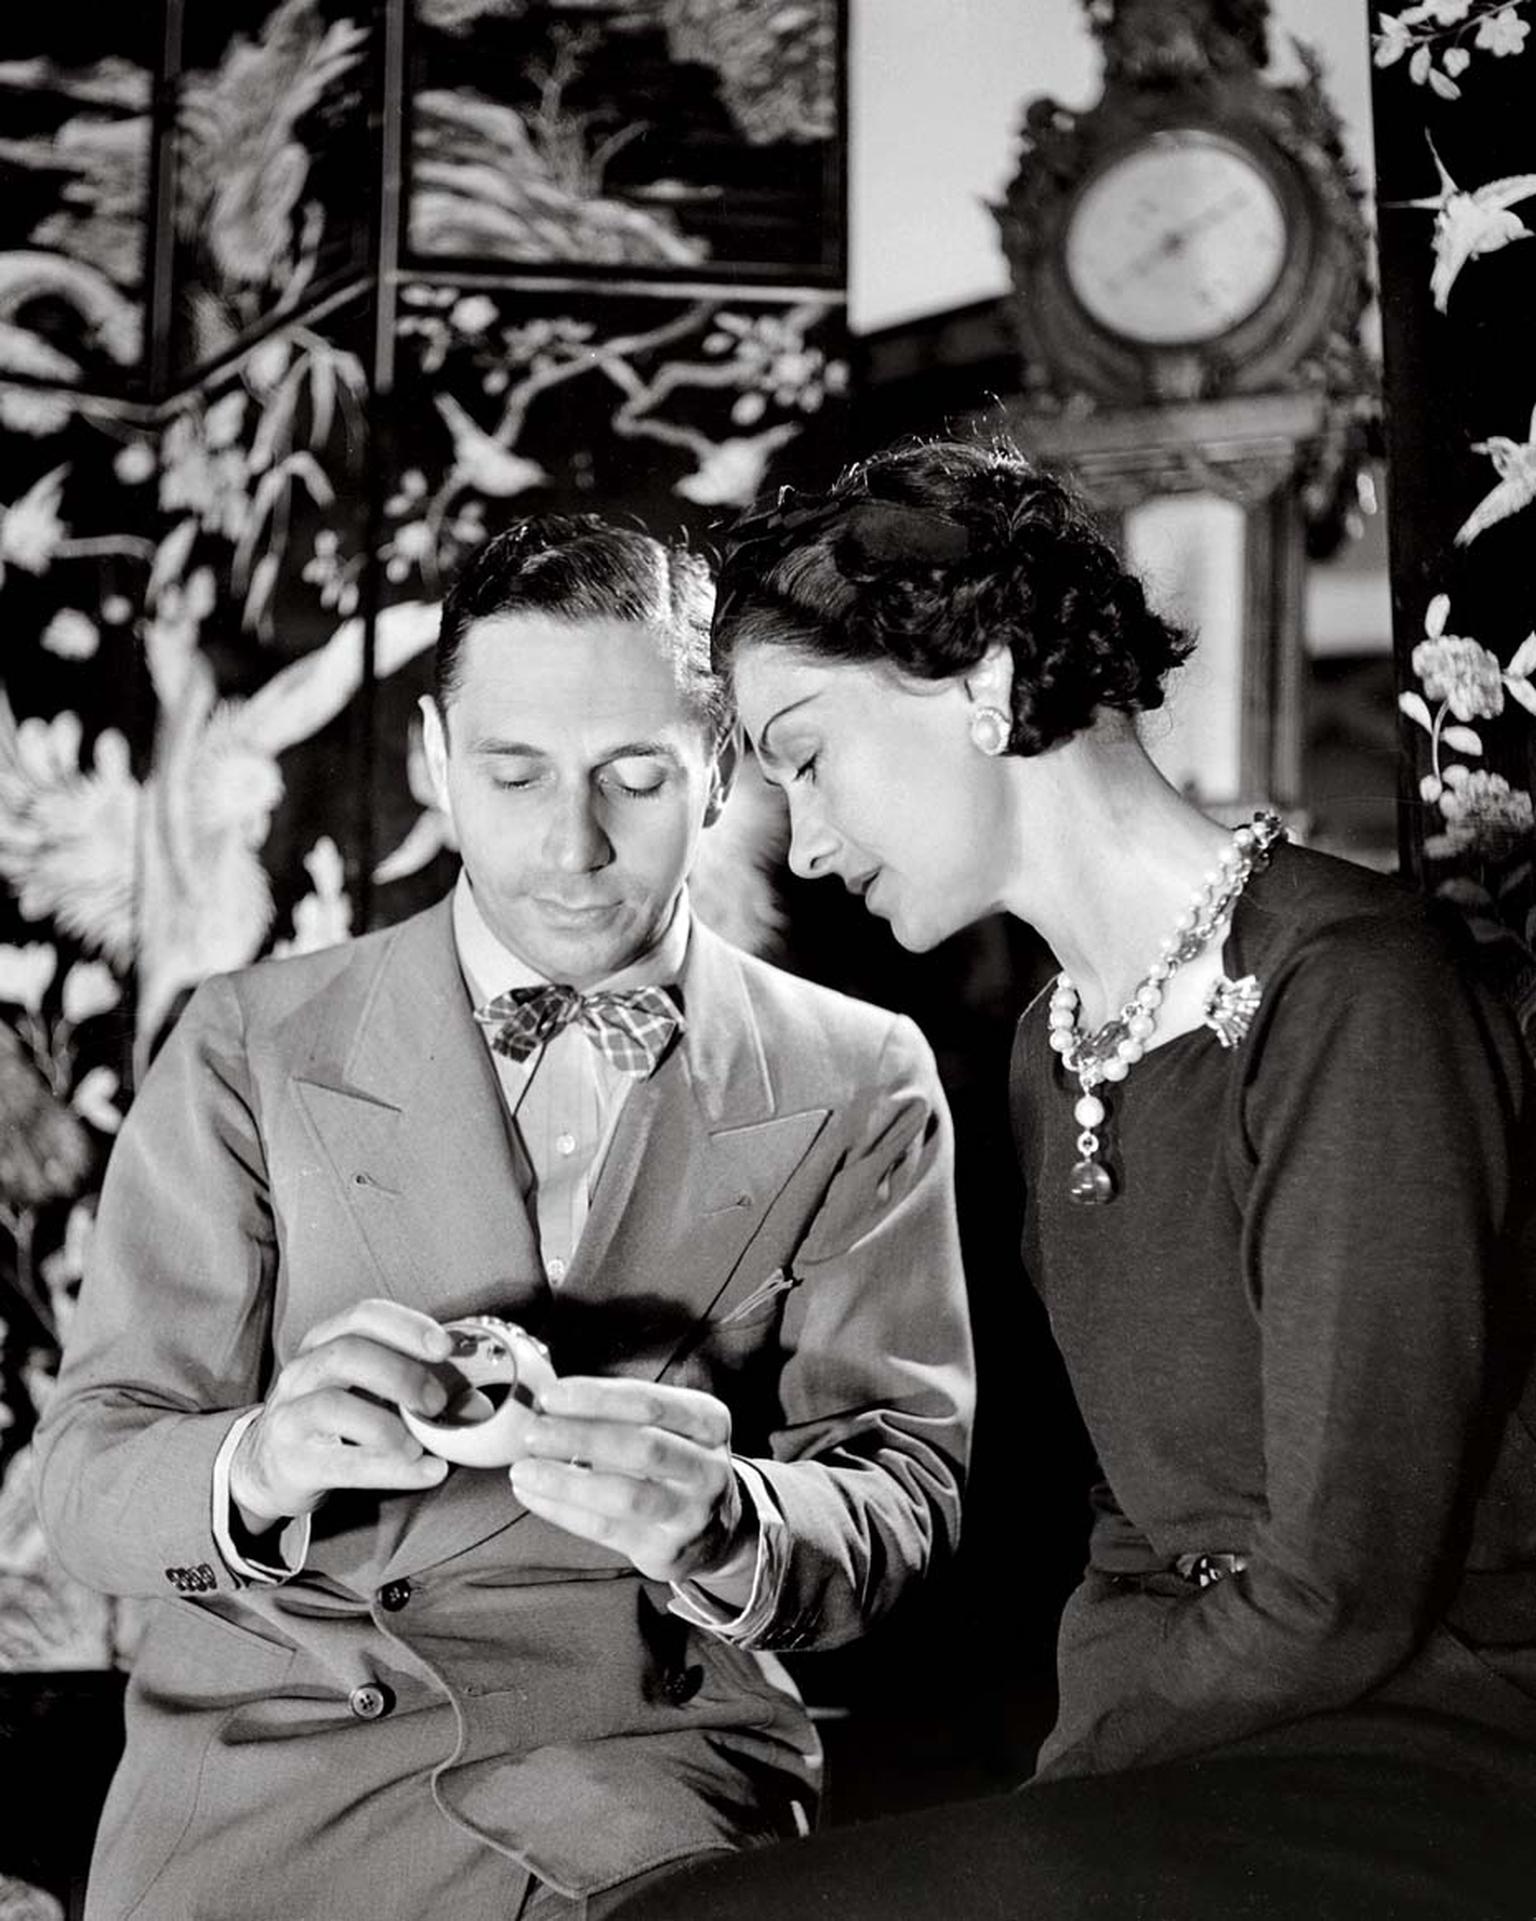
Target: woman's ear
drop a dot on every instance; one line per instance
(990, 682)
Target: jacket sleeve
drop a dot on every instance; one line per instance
(877, 1389)
(1379, 1124)
(169, 1341)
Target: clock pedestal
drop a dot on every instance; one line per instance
(1237, 466)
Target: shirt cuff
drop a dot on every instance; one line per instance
(767, 1561)
(292, 1542)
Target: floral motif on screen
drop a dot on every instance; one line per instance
(1468, 703)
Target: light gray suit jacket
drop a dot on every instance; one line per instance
(774, 1222)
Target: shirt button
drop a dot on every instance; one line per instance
(370, 1701)
(555, 1269)
(394, 1595)
(565, 1143)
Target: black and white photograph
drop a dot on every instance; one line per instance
(768, 960)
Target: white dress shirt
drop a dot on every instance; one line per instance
(565, 1099)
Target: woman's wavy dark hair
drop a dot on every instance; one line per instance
(925, 555)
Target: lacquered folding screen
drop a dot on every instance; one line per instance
(1454, 88)
(298, 303)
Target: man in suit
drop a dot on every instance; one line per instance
(376, 1687)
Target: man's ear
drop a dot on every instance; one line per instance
(722, 773)
(434, 748)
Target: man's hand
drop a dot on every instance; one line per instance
(638, 1467)
(322, 1427)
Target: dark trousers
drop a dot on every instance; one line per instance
(1337, 1839)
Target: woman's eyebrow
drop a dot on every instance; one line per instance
(773, 720)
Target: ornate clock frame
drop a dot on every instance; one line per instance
(1276, 413)
(1187, 64)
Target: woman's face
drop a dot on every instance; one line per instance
(885, 789)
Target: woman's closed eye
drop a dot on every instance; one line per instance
(806, 770)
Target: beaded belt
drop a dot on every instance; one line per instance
(1205, 1570)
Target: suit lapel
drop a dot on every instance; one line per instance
(415, 1132)
(416, 1135)
(698, 1156)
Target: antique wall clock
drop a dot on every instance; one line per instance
(1193, 234)
(1189, 267)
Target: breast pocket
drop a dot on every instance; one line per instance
(737, 1354)
(747, 1321)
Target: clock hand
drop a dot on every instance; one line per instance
(1175, 239)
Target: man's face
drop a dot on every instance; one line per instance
(577, 780)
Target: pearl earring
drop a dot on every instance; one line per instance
(990, 730)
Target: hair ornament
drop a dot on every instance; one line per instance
(877, 530)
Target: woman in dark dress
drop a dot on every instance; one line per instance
(1280, 1183)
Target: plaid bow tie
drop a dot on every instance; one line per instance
(631, 1026)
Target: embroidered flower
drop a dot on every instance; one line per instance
(26, 973)
(25, 412)
(31, 530)
(134, 463)
(94, 1100)
(1393, 39)
(1502, 33)
(476, 313)
(71, 635)
(1462, 673)
(90, 988)
(1483, 815)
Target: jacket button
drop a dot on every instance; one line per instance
(394, 1595)
(370, 1701)
(176, 1576)
(682, 1685)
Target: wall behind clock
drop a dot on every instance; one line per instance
(922, 240)
(299, 300)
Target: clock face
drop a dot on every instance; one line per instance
(1176, 241)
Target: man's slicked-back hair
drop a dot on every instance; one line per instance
(579, 567)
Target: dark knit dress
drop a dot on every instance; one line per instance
(1300, 1333)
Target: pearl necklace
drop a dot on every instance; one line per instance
(1108, 1054)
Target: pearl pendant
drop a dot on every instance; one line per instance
(1105, 1057)
(1090, 1185)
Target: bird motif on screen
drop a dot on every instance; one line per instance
(162, 869)
(1470, 222)
(1515, 463)
(480, 461)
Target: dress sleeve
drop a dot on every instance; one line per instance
(1377, 1127)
